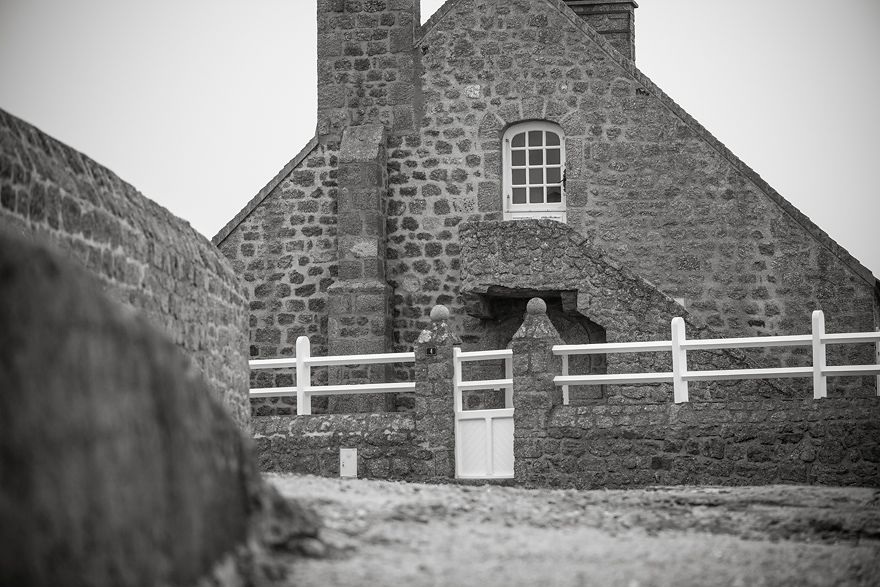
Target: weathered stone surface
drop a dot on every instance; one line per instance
(119, 467)
(143, 256)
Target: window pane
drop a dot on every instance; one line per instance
(519, 140)
(518, 157)
(554, 175)
(535, 138)
(536, 157)
(536, 176)
(519, 195)
(552, 138)
(518, 177)
(536, 195)
(554, 195)
(553, 157)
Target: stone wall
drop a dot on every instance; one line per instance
(143, 256)
(834, 441)
(756, 435)
(310, 444)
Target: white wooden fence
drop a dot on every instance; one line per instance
(679, 346)
(680, 375)
(303, 363)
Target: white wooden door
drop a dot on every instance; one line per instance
(484, 438)
(484, 444)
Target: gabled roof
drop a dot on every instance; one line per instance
(264, 193)
(629, 66)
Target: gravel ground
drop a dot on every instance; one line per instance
(382, 533)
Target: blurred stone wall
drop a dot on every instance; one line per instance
(119, 467)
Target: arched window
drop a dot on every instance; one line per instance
(534, 171)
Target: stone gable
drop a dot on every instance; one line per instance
(644, 181)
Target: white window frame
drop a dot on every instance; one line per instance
(552, 211)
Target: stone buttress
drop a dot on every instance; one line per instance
(358, 321)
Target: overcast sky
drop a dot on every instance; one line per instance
(199, 103)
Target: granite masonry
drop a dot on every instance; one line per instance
(655, 218)
(645, 185)
(142, 255)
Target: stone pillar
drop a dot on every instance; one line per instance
(368, 69)
(534, 393)
(613, 19)
(358, 320)
(434, 411)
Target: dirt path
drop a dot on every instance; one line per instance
(383, 533)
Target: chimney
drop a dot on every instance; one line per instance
(367, 67)
(613, 19)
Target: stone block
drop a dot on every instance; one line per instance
(371, 304)
(350, 222)
(363, 143)
(350, 269)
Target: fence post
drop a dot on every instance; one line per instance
(456, 379)
(565, 396)
(877, 361)
(679, 361)
(820, 384)
(508, 374)
(303, 377)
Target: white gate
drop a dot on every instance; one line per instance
(483, 438)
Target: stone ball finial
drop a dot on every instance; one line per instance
(536, 306)
(439, 313)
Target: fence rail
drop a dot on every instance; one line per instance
(680, 375)
(303, 363)
(679, 346)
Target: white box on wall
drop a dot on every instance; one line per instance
(348, 462)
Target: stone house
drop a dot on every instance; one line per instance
(505, 150)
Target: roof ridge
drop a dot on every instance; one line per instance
(264, 192)
(787, 207)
